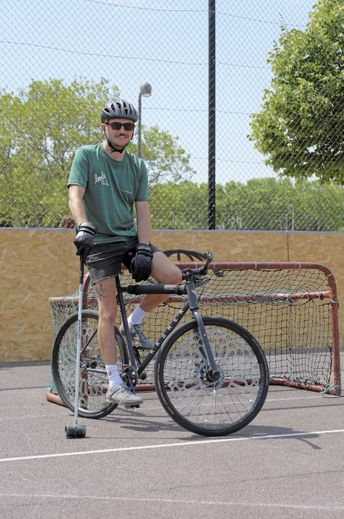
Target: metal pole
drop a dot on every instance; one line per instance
(212, 115)
(139, 129)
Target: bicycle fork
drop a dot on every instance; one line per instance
(213, 373)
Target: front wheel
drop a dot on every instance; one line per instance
(196, 399)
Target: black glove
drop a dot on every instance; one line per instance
(84, 239)
(141, 264)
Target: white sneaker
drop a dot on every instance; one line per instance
(122, 395)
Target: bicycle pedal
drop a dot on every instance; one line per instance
(132, 406)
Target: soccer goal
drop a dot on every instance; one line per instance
(291, 309)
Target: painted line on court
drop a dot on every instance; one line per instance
(173, 445)
(292, 506)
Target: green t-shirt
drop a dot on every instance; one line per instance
(112, 188)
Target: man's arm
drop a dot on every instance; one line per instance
(143, 222)
(141, 264)
(85, 230)
(76, 206)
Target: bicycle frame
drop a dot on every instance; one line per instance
(191, 304)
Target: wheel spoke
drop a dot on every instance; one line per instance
(93, 377)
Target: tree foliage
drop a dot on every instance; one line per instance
(300, 126)
(260, 204)
(40, 130)
(160, 150)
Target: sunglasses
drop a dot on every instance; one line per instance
(116, 125)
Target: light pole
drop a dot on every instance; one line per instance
(145, 91)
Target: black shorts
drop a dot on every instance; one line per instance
(105, 259)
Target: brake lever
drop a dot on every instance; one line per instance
(208, 257)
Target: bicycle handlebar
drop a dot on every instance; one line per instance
(201, 271)
(155, 289)
(171, 289)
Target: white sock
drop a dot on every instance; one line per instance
(113, 374)
(137, 316)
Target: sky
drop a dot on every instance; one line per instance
(166, 44)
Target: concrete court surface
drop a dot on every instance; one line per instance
(288, 463)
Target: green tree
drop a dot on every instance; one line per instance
(280, 204)
(260, 204)
(179, 206)
(166, 160)
(300, 125)
(41, 128)
(40, 131)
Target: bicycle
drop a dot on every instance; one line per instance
(211, 375)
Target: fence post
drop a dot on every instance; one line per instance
(212, 115)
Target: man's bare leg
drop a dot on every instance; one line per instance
(117, 392)
(163, 271)
(107, 307)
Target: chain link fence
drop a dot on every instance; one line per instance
(276, 149)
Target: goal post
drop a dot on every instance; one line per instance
(290, 308)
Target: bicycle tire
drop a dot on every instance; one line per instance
(199, 405)
(93, 377)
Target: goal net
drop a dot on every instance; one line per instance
(291, 309)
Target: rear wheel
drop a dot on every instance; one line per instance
(93, 377)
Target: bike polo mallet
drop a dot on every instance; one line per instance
(76, 430)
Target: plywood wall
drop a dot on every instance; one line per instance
(37, 264)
